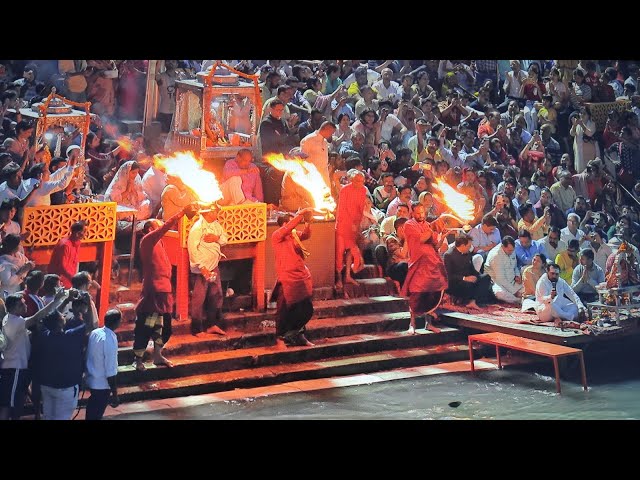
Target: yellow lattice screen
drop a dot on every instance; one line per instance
(243, 223)
(49, 224)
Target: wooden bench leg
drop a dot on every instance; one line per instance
(498, 357)
(583, 371)
(473, 369)
(555, 366)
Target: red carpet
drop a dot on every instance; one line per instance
(503, 312)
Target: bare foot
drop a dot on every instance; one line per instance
(216, 330)
(350, 281)
(280, 344)
(430, 327)
(339, 285)
(139, 366)
(304, 341)
(411, 330)
(161, 360)
(473, 305)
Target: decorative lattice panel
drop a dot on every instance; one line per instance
(47, 225)
(243, 223)
(599, 111)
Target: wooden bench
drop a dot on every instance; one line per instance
(530, 346)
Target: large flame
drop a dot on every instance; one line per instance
(460, 204)
(308, 177)
(189, 169)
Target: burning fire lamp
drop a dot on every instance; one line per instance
(308, 177)
(462, 207)
(188, 168)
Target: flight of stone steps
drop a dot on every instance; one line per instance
(362, 333)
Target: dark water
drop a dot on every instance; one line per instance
(522, 393)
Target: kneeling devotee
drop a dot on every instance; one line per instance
(556, 299)
(466, 285)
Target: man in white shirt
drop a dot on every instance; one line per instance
(556, 299)
(316, 146)
(571, 231)
(552, 244)
(48, 183)
(387, 89)
(153, 183)
(14, 186)
(205, 239)
(392, 129)
(102, 366)
(502, 267)
(15, 374)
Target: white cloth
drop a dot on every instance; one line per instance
(59, 403)
(393, 92)
(502, 269)
(389, 124)
(386, 226)
(8, 193)
(317, 148)
(549, 249)
(566, 236)
(565, 305)
(153, 183)
(9, 265)
(18, 350)
(232, 191)
(201, 253)
(372, 77)
(600, 256)
(580, 162)
(102, 358)
(131, 194)
(59, 180)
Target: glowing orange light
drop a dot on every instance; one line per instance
(125, 144)
(460, 204)
(188, 168)
(308, 177)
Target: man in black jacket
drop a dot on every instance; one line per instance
(466, 285)
(275, 137)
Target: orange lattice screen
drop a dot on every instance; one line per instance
(47, 225)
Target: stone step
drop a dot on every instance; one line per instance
(128, 312)
(275, 374)
(317, 329)
(123, 294)
(369, 271)
(186, 363)
(369, 287)
(251, 321)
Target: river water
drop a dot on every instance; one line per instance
(516, 393)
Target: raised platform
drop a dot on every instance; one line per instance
(534, 332)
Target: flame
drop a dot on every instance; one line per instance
(125, 143)
(188, 168)
(308, 177)
(460, 204)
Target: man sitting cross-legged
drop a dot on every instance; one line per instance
(466, 285)
(556, 299)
